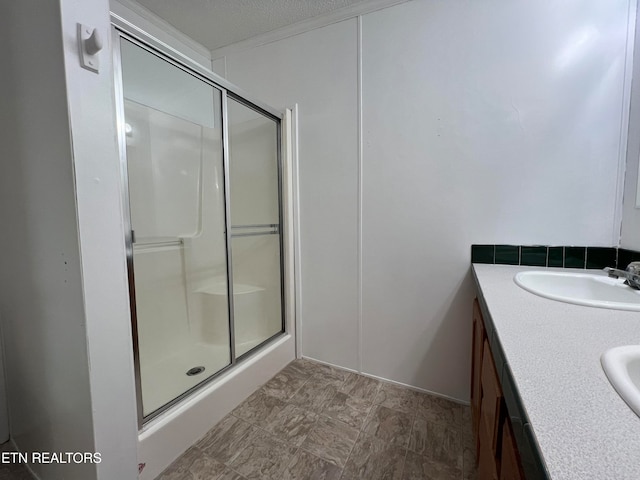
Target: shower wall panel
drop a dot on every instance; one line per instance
(257, 293)
(163, 327)
(205, 253)
(165, 156)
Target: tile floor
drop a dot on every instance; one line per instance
(315, 422)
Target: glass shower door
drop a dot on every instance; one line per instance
(255, 226)
(174, 154)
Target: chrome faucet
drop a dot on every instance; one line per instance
(631, 273)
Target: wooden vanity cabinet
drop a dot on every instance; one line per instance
(490, 424)
(510, 464)
(497, 453)
(478, 340)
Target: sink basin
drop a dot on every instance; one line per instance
(592, 290)
(622, 366)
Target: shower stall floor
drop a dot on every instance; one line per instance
(165, 380)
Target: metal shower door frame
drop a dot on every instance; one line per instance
(121, 29)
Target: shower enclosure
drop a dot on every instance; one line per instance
(202, 175)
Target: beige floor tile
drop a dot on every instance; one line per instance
(397, 398)
(331, 440)
(193, 465)
(389, 425)
(351, 410)
(285, 384)
(331, 376)
(227, 439)
(417, 467)
(300, 367)
(259, 408)
(180, 467)
(441, 443)
(360, 386)
(437, 409)
(314, 395)
(374, 459)
(263, 458)
(306, 466)
(316, 422)
(205, 468)
(292, 424)
(229, 475)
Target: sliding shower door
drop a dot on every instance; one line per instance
(174, 150)
(201, 168)
(255, 226)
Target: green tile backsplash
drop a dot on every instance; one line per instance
(556, 257)
(482, 253)
(553, 256)
(601, 257)
(534, 256)
(575, 257)
(507, 255)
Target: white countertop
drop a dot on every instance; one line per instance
(583, 427)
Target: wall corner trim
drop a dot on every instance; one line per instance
(159, 23)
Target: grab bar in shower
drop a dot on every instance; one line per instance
(148, 243)
(263, 229)
(159, 242)
(254, 234)
(261, 225)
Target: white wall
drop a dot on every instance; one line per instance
(63, 282)
(630, 234)
(43, 317)
(62, 309)
(486, 122)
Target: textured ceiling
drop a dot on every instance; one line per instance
(217, 23)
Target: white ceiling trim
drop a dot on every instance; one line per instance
(163, 25)
(305, 25)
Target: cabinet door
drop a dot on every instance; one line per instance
(491, 400)
(487, 462)
(510, 467)
(476, 368)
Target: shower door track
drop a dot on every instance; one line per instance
(122, 29)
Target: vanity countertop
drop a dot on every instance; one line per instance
(583, 428)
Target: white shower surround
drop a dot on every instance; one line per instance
(169, 434)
